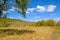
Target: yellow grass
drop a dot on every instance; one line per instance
(41, 33)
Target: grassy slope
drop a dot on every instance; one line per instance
(18, 27)
(38, 33)
(13, 22)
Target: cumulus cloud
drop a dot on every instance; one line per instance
(29, 10)
(51, 8)
(38, 8)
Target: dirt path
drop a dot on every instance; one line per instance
(41, 33)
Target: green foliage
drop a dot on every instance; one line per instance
(47, 23)
(4, 22)
(7, 32)
(22, 6)
(50, 22)
(40, 23)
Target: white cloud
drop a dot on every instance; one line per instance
(29, 10)
(51, 8)
(40, 8)
(12, 9)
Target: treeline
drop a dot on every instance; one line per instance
(47, 23)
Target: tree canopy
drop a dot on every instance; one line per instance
(20, 5)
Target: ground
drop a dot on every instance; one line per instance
(30, 33)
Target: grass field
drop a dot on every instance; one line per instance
(30, 33)
(20, 30)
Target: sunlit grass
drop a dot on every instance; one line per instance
(28, 30)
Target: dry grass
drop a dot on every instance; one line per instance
(41, 33)
(20, 30)
(57, 33)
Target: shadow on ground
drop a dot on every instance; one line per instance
(7, 32)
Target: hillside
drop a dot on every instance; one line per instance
(12, 29)
(6, 22)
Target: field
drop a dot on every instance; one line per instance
(29, 33)
(21, 30)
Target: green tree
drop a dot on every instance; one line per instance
(50, 22)
(20, 5)
(40, 23)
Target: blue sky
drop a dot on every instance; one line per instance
(39, 10)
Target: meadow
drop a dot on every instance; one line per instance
(11, 29)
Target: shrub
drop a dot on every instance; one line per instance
(58, 23)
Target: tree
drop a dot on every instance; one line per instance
(20, 5)
(50, 22)
(40, 23)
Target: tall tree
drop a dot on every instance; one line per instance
(20, 5)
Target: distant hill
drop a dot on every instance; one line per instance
(6, 22)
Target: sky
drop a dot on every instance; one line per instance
(38, 10)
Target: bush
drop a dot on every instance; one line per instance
(47, 23)
(40, 23)
(58, 23)
(50, 23)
